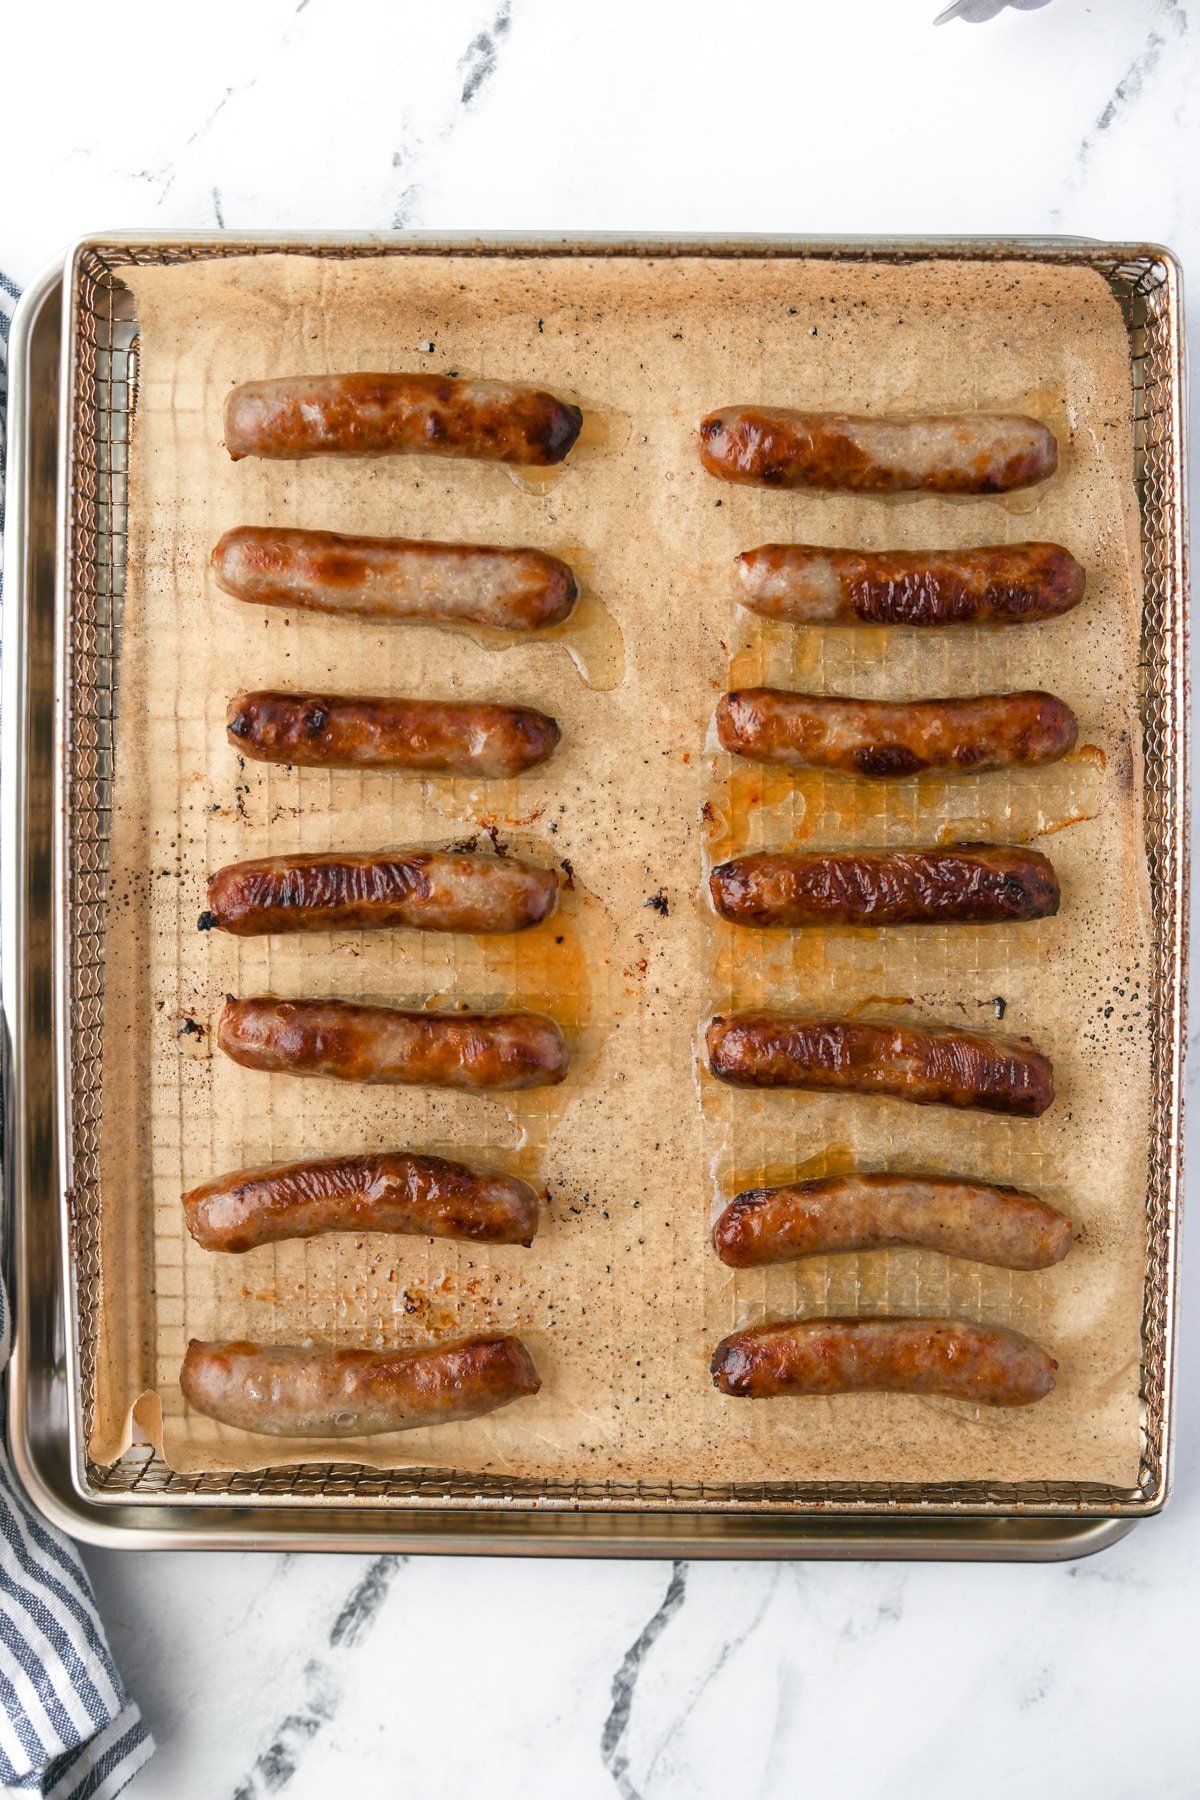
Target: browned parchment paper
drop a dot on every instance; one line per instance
(621, 1297)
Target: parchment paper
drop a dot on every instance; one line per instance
(621, 1297)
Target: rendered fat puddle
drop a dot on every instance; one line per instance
(590, 636)
(758, 807)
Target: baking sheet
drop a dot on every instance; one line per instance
(620, 1297)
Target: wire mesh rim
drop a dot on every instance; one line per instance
(1141, 280)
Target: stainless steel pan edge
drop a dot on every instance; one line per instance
(38, 1398)
(40, 1406)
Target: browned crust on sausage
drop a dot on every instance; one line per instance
(988, 1366)
(395, 579)
(394, 1191)
(936, 1066)
(287, 1391)
(953, 453)
(972, 884)
(841, 1214)
(435, 737)
(895, 738)
(427, 890)
(993, 584)
(479, 1052)
(399, 414)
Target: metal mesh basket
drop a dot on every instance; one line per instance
(101, 400)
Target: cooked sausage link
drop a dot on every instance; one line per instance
(974, 884)
(283, 1390)
(837, 1214)
(991, 1367)
(391, 1190)
(957, 453)
(997, 584)
(931, 1067)
(895, 738)
(395, 578)
(479, 1052)
(430, 890)
(399, 415)
(435, 737)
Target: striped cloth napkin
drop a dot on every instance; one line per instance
(68, 1730)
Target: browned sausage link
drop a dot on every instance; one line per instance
(286, 1391)
(429, 890)
(980, 884)
(997, 584)
(894, 738)
(991, 1367)
(848, 1213)
(958, 453)
(395, 578)
(392, 1190)
(436, 737)
(399, 415)
(480, 1052)
(932, 1067)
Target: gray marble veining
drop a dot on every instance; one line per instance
(316, 1676)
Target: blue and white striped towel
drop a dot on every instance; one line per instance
(68, 1730)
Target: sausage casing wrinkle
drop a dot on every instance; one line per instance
(972, 884)
(937, 1066)
(396, 415)
(838, 1214)
(395, 578)
(895, 738)
(955, 453)
(991, 1367)
(429, 890)
(434, 737)
(478, 1052)
(287, 1391)
(996, 584)
(389, 1190)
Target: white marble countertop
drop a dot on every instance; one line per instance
(324, 1675)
